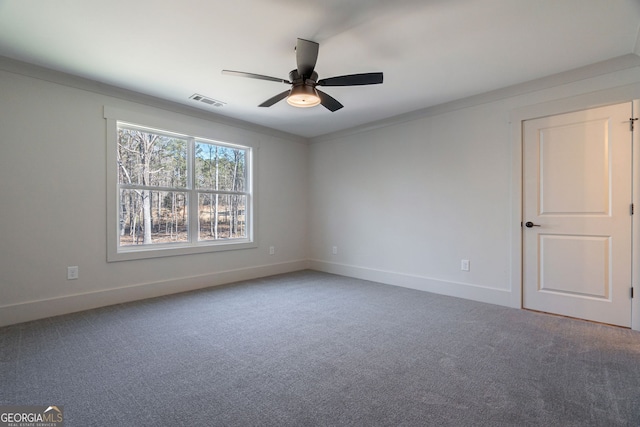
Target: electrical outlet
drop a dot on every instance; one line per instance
(334, 250)
(464, 265)
(272, 250)
(72, 272)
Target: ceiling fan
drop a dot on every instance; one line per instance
(304, 79)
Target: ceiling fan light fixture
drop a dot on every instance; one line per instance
(303, 96)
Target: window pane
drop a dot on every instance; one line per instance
(221, 216)
(153, 217)
(146, 158)
(219, 167)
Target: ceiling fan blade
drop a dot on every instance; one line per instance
(353, 80)
(254, 76)
(329, 102)
(306, 57)
(279, 97)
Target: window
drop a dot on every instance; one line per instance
(177, 193)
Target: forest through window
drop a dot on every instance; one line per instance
(176, 189)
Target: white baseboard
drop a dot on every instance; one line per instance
(32, 310)
(454, 289)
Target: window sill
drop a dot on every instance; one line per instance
(145, 252)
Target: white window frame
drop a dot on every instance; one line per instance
(193, 131)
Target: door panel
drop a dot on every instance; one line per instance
(577, 188)
(564, 270)
(575, 169)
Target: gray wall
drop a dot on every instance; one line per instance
(53, 195)
(406, 201)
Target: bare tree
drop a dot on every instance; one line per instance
(140, 145)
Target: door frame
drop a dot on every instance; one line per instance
(629, 93)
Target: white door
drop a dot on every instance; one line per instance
(577, 214)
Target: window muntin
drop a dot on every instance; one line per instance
(181, 191)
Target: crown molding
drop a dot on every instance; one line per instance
(46, 74)
(590, 71)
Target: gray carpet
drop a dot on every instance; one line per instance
(310, 348)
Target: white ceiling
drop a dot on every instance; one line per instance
(431, 51)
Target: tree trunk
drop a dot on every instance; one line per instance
(122, 216)
(146, 215)
(174, 216)
(146, 147)
(234, 202)
(158, 214)
(215, 225)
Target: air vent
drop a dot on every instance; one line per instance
(207, 100)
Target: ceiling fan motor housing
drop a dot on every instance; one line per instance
(297, 80)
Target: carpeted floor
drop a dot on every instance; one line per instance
(311, 348)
